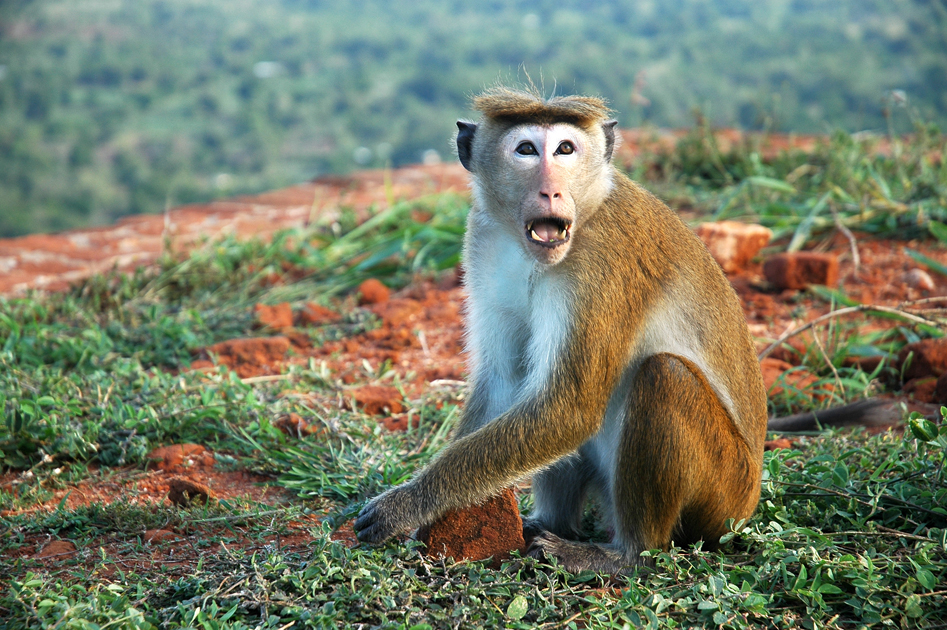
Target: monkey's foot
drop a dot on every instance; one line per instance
(578, 556)
(531, 529)
(386, 515)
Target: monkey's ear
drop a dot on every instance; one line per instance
(465, 136)
(609, 128)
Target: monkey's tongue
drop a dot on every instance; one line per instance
(548, 231)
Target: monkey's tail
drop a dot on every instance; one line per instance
(873, 412)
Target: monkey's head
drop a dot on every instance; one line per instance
(540, 167)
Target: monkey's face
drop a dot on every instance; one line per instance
(545, 173)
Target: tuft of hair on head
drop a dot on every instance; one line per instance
(511, 106)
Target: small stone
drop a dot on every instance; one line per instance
(183, 491)
(277, 317)
(732, 244)
(919, 279)
(376, 400)
(798, 270)
(372, 291)
(492, 529)
(313, 314)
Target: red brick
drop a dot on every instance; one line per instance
(800, 269)
(492, 529)
(930, 358)
(372, 291)
(278, 316)
(733, 245)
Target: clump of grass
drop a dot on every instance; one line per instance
(887, 185)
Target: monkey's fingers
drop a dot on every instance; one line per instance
(370, 527)
(384, 516)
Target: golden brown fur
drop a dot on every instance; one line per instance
(514, 106)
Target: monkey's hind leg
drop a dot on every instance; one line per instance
(559, 494)
(681, 470)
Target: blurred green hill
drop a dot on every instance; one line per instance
(113, 107)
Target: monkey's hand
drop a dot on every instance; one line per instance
(388, 514)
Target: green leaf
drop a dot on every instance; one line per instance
(804, 230)
(912, 606)
(922, 428)
(938, 230)
(840, 475)
(774, 184)
(801, 578)
(832, 295)
(517, 608)
(926, 578)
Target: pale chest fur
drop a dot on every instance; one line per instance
(518, 315)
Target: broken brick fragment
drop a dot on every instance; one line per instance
(178, 457)
(277, 316)
(313, 314)
(797, 270)
(183, 491)
(57, 549)
(376, 400)
(372, 291)
(250, 356)
(492, 529)
(929, 358)
(772, 445)
(732, 244)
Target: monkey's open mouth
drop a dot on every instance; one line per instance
(548, 231)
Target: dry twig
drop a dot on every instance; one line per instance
(861, 308)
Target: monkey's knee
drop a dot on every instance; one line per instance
(682, 468)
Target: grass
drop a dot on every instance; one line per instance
(851, 530)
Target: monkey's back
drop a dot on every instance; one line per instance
(649, 267)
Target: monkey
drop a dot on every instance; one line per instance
(608, 353)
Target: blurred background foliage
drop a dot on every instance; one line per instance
(115, 107)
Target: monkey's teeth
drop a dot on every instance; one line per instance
(533, 234)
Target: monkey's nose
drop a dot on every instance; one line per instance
(549, 200)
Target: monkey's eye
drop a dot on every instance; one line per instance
(526, 148)
(565, 148)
